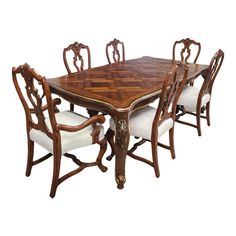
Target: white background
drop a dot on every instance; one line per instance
(195, 194)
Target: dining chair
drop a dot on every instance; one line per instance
(187, 50)
(77, 61)
(195, 101)
(184, 48)
(114, 47)
(58, 132)
(150, 123)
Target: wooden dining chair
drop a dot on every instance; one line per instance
(150, 123)
(114, 47)
(58, 132)
(76, 48)
(184, 48)
(195, 101)
(77, 61)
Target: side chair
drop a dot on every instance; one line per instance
(78, 60)
(58, 132)
(185, 47)
(150, 123)
(117, 56)
(187, 50)
(195, 101)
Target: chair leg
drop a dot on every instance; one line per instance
(103, 148)
(198, 118)
(208, 113)
(56, 172)
(30, 157)
(172, 144)
(71, 107)
(110, 138)
(155, 159)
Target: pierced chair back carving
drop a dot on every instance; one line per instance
(213, 70)
(36, 99)
(116, 55)
(76, 49)
(186, 46)
(171, 90)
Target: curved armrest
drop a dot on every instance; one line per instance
(55, 101)
(92, 121)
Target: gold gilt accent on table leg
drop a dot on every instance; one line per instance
(122, 131)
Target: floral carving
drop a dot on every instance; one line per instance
(122, 133)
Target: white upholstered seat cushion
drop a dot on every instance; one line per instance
(189, 96)
(140, 123)
(69, 140)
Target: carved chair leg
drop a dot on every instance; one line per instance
(208, 113)
(172, 145)
(155, 159)
(56, 172)
(72, 107)
(198, 118)
(30, 157)
(110, 138)
(103, 148)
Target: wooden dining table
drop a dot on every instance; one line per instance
(118, 90)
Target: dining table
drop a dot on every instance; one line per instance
(119, 89)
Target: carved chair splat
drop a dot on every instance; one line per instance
(186, 50)
(117, 56)
(76, 48)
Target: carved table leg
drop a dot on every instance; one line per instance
(122, 142)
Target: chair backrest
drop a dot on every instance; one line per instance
(212, 72)
(116, 55)
(35, 95)
(171, 90)
(185, 47)
(76, 48)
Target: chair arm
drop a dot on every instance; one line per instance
(92, 121)
(55, 101)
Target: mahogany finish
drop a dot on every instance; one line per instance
(173, 83)
(206, 88)
(119, 89)
(35, 95)
(116, 55)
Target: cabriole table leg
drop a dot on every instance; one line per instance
(122, 142)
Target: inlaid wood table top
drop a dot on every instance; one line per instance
(120, 85)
